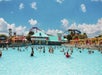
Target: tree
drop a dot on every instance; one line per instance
(3, 36)
(75, 37)
(31, 33)
(85, 35)
(99, 35)
(80, 36)
(72, 33)
(28, 37)
(69, 37)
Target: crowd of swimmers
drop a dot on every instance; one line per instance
(68, 51)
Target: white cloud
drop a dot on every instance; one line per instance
(59, 1)
(91, 29)
(73, 26)
(54, 32)
(21, 6)
(20, 30)
(33, 5)
(32, 22)
(83, 8)
(65, 23)
(4, 26)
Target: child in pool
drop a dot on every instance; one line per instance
(32, 53)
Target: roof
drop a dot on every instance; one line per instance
(40, 34)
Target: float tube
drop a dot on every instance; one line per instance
(67, 55)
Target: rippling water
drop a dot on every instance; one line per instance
(14, 62)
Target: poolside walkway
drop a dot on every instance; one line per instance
(93, 47)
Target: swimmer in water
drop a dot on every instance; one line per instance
(32, 53)
(67, 55)
(80, 51)
(0, 53)
(89, 52)
(44, 50)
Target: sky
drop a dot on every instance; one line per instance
(51, 16)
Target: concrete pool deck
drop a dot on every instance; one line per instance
(92, 47)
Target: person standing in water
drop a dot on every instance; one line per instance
(0, 53)
(67, 55)
(44, 50)
(32, 52)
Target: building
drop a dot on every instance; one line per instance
(18, 39)
(87, 41)
(41, 38)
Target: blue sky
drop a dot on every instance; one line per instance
(52, 16)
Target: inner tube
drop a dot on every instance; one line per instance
(67, 55)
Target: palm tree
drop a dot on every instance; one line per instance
(28, 37)
(69, 37)
(80, 36)
(31, 33)
(85, 35)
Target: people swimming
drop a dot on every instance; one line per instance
(18, 48)
(32, 52)
(44, 50)
(80, 51)
(0, 53)
(67, 55)
(51, 50)
(89, 52)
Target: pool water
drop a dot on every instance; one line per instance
(14, 62)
